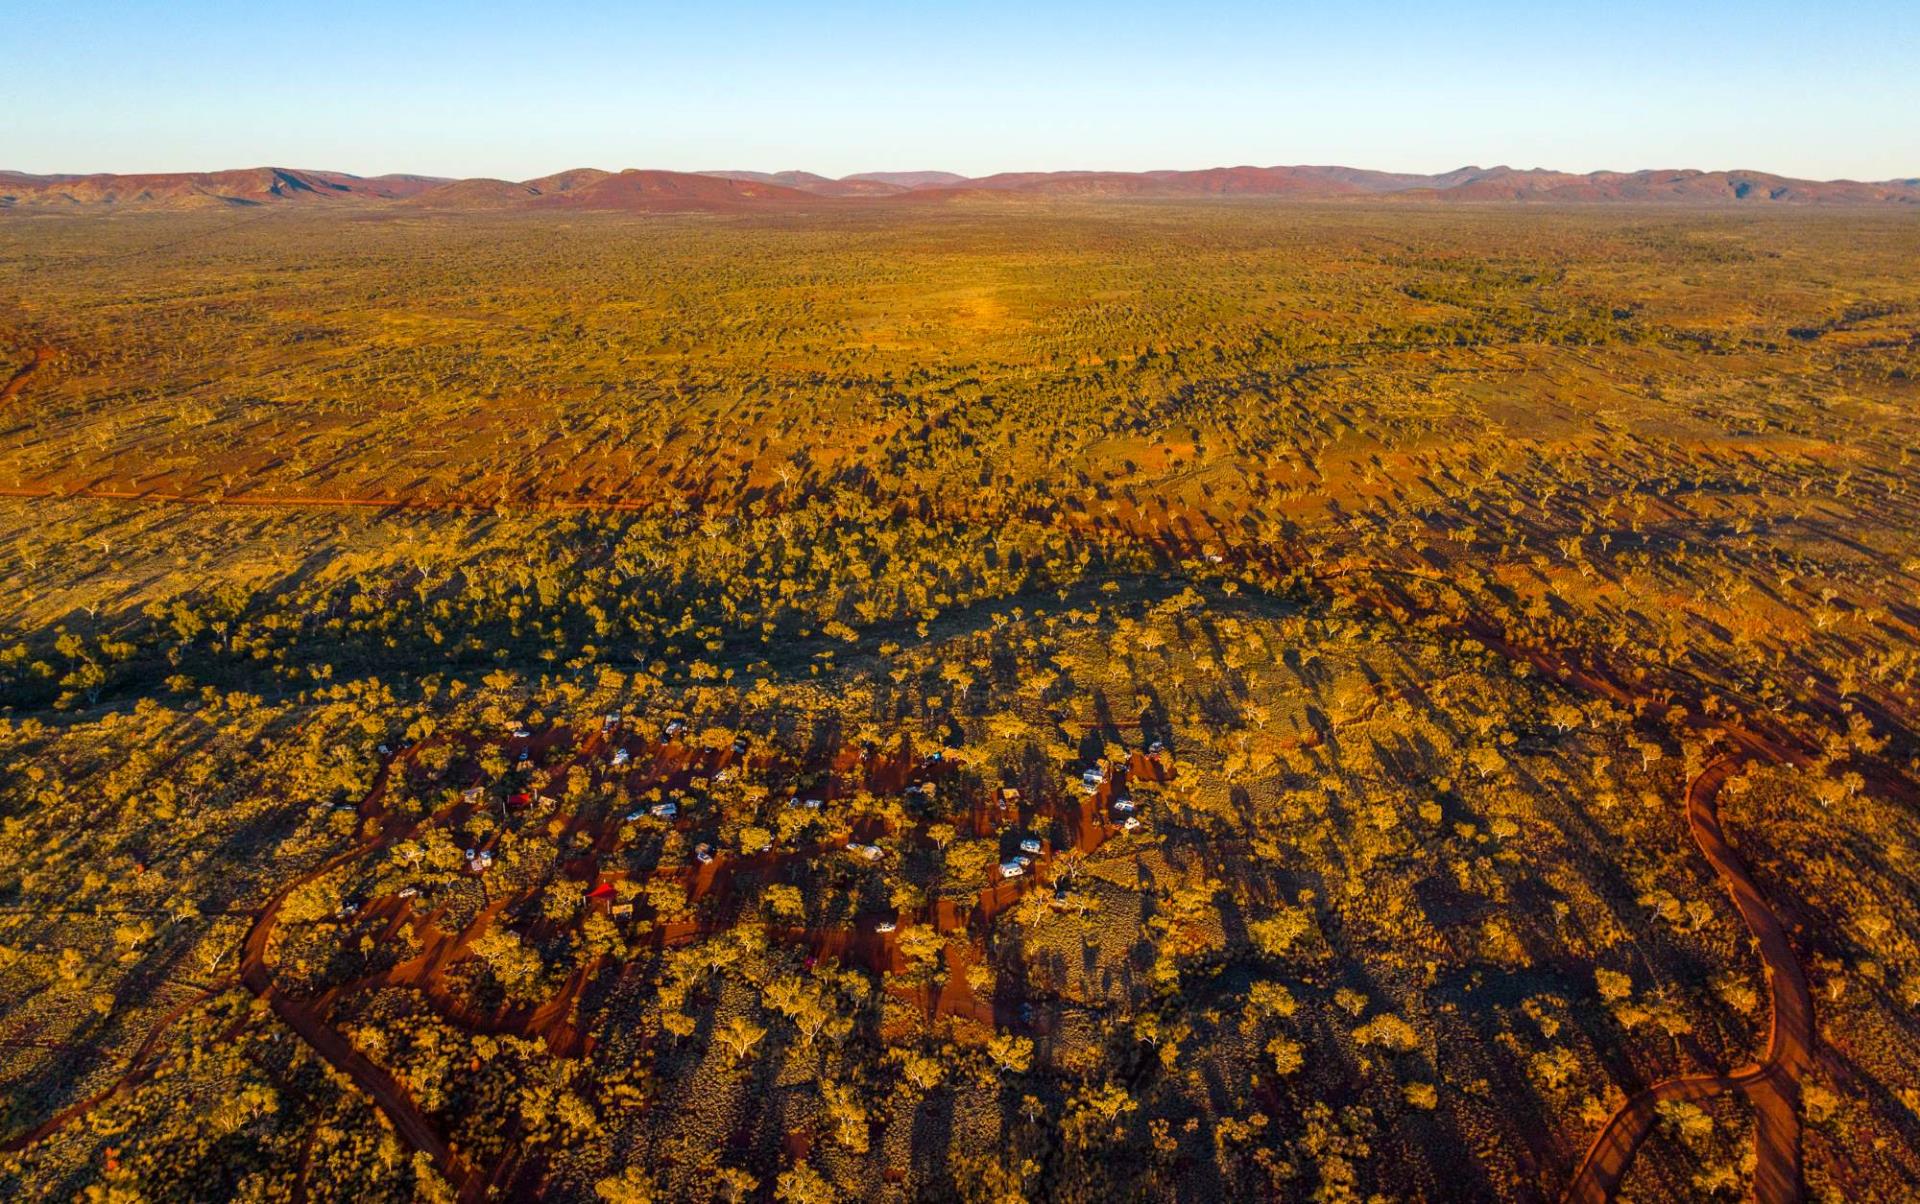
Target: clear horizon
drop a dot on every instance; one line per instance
(488, 90)
(279, 165)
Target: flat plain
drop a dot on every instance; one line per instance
(1000, 699)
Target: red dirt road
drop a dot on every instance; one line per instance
(1771, 1085)
(18, 380)
(140, 1067)
(413, 1125)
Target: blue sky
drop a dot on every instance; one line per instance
(522, 89)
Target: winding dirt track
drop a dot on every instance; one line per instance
(139, 1068)
(1771, 1085)
(18, 380)
(413, 1125)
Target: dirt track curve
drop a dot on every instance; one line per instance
(18, 380)
(1771, 1085)
(140, 1067)
(413, 1125)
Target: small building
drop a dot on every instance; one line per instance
(1031, 845)
(666, 810)
(1009, 797)
(1011, 869)
(621, 911)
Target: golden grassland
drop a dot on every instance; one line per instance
(1406, 571)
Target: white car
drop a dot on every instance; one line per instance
(521, 733)
(1131, 824)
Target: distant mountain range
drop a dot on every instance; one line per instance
(722, 191)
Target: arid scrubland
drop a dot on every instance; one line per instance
(558, 704)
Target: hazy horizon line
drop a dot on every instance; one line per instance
(289, 165)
